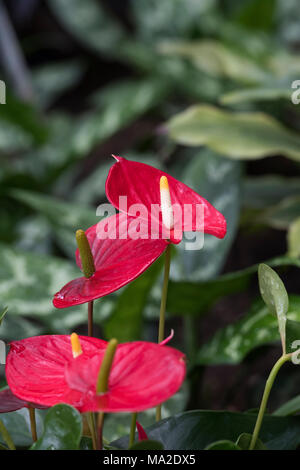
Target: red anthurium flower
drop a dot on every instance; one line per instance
(9, 402)
(44, 370)
(35, 367)
(119, 257)
(144, 185)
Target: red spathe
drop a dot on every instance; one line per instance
(119, 259)
(140, 183)
(143, 375)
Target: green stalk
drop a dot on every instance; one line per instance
(163, 303)
(162, 314)
(132, 429)
(6, 436)
(32, 423)
(269, 384)
(100, 430)
(102, 384)
(90, 317)
(91, 423)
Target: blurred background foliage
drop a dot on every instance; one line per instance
(199, 88)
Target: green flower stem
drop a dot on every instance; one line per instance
(132, 429)
(92, 426)
(32, 423)
(102, 384)
(90, 317)
(6, 436)
(161, 330)
(100, 430)
(269, 384)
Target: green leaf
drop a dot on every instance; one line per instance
(197, 429)
(58, 212)
(262, 93)
(264, 191)
(275, 296)
(194, 298)
(2, 314)
(289, 14)
(218, 60)
(73, 138)
(90, 23)
(13, 138)
(222, 445)
(62, 429)
(25, 120)
(56, 154)
(243, 441)
(248, 17)
(147, 445)
(117, 105)
(86, 443)
(283, 214)
(92, 188)
(64, 217)
(6, 436)
(28, 282)
(17, 424)
(125, 322)
(243, 136)
(51, 80)
(289, 408)
(163, 19)
(273, 290)
(33, 233)
(293, 239)
(230, 345)
(17, 327)
(140, 96)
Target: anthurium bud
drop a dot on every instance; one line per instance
(76, 346)
(102, 382)
(166, 203)
(87, 260)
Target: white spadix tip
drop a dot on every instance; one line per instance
(166, 203)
